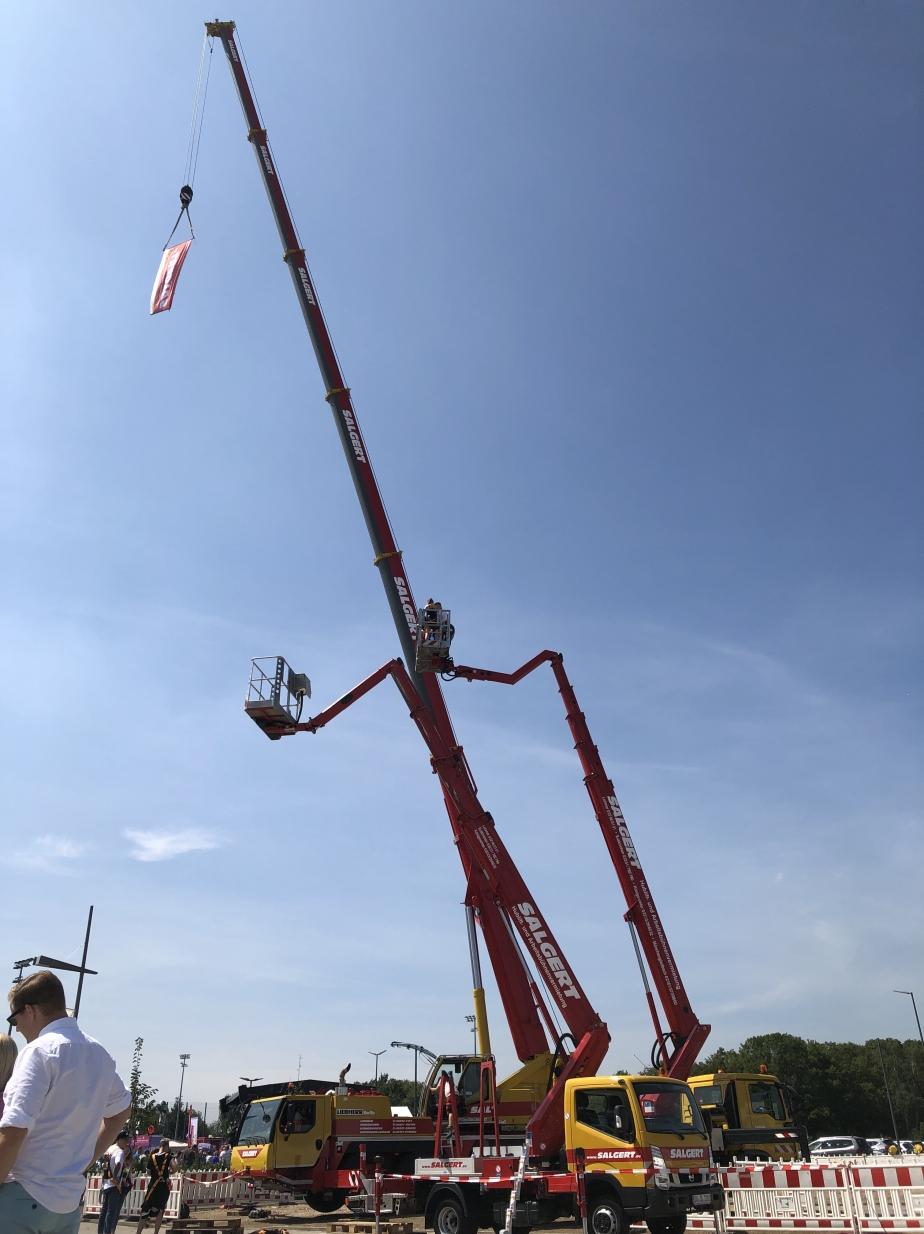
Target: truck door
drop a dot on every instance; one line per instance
(765, 1102)
(303, 1127)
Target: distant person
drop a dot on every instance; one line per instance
(158, 1188)
(8, 1052)
(64, 1104)
(116, 1184)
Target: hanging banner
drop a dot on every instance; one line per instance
(192, 1134)
(167, 277)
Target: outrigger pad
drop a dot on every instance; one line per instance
(168, 274)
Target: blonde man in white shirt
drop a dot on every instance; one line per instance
(63, 1105)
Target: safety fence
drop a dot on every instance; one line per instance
(855, 1196)
(201, 1189)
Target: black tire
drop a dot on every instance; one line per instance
(668, 1225)
(605, 1216)
(449, 1217)
(325, 1201)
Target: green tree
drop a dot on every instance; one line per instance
(144, 1108)
(398, 1092)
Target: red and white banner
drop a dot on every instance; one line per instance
(168, 274)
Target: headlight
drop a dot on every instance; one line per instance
(662, 1174)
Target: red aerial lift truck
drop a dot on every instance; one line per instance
(496, 893)
(492, 896)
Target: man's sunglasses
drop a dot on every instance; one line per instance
(11, 1018)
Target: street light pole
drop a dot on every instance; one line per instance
(83, 965)
(471, 1020)
(184, 1062)
(915, 1006)
(377, 1054)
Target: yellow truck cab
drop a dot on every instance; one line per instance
(315, 1141)
(750, 1117)
(647, 1155)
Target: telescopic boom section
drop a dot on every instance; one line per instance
(520, 999)
(387, 554)
(679, 1047)
(488, 853)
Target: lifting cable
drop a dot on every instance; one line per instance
(172, 261)
(195, 137)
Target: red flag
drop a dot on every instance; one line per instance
(167, 277)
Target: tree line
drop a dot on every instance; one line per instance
(838, 1087)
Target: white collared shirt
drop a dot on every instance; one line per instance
(62, 1087)
(116, 1161)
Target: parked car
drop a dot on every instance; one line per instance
(912, 1146)
(840, 1146)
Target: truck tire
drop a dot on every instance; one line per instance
(667, 1225)
(325, 1201)
(450, 1218)
(605, 1216)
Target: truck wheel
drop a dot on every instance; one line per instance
(605, 1216)
(449, 1218)
(667, 1225)
(324, 1201)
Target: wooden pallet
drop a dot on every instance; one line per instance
(196, 1225)
(368, 1227)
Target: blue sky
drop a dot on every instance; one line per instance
(629, 299)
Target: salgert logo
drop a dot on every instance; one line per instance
(354, 434)
(405, 597)
(564, 978)
(267, 161)
(618, 821)
(687, 1152)
(306, 284)
(612, 1155)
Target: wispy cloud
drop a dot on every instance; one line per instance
(45, 853)
(162, 845)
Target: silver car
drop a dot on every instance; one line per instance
(840, 1146)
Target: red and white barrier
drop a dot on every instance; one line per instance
(205, 1189)
(846, 1196)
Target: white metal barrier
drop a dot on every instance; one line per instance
(868, 1194)
(204, 1189)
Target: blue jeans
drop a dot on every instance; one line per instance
(109, 1213)
(20, 1214)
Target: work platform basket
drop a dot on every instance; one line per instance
(275, 695)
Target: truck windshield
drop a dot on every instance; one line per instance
(708, 1095)
(668, 1107)
(258, 1122)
